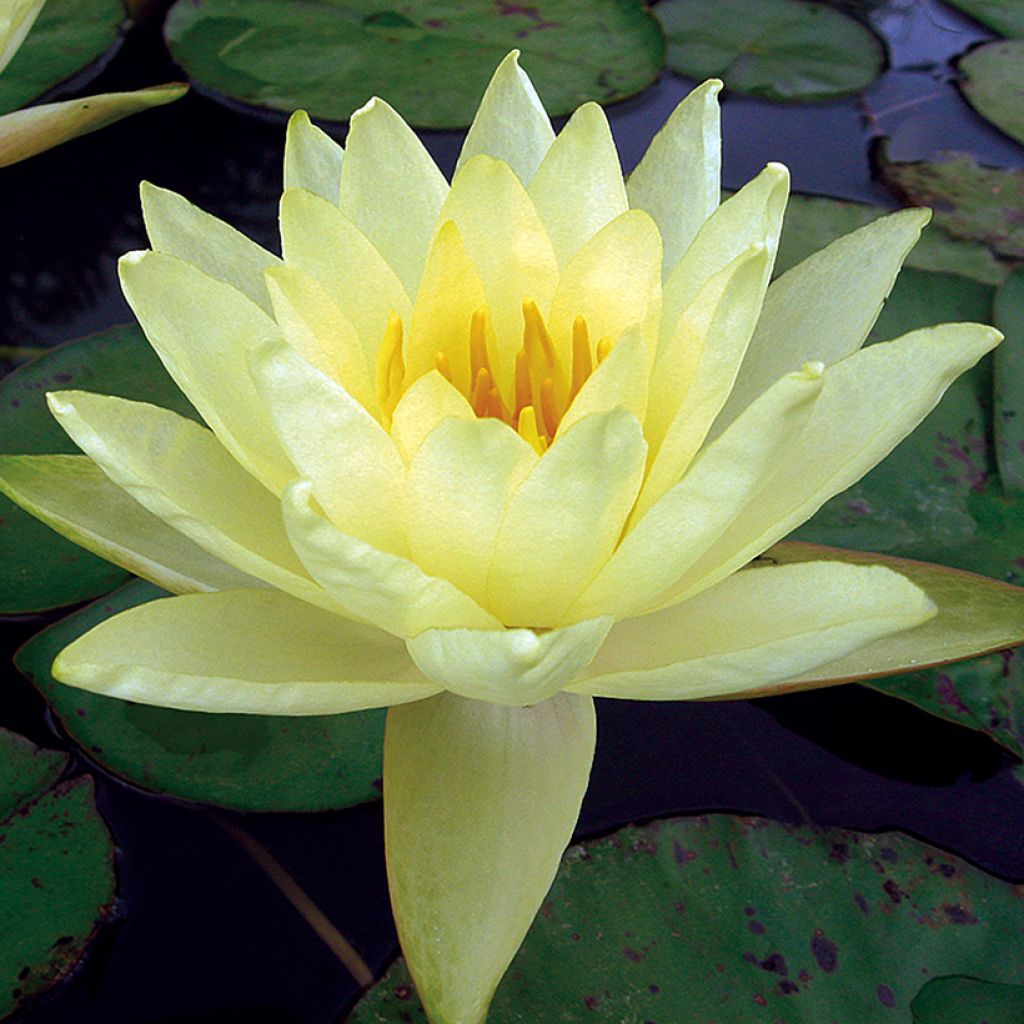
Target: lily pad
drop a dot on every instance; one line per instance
(1008, 418)
(68, 35)
(993, 82)
(959, 1000)
(57, 879)
(1003, 16)
(742, 919)
(970, 201)
(38, 568)
(777, 49)
(431, 60)
(242, 762)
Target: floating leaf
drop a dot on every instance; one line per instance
(68, 36)
(56, 870)
(1008, 414)
(38, 568)
(244, 762)
(1004, 16)
(959, 1000)
(970, 201)
(777, 49)
(429, 60)
(742, 919)
(25, 133)
(993, 82)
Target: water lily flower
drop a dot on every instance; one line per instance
(483, 452)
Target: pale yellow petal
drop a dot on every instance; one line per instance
(316, 328)
(510, 123)
(823, 308)
(614, 281)
(460, 483)
(16, 20)
(254, 652)
(71, 494)
(387, 170)
(869, 403)
(424, 405)
(373, 585)
(565, 519)
(177, 227)
(759, 626)
(356, 473)
(203, 331)
(479, 803)
(578, 187)
(312, 159)
(321, 241)
(507, 243)
(180, 472)
(678, 181)
(679, 527)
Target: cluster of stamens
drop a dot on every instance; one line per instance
(543, 388)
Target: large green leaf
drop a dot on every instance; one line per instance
(1004, 16)
(777, 49)
(993, 82)
(68, 35)
(960, 1000)
(245, 762)
(38, 568)
(430, 60)
(970, 201)
(740, 920)
(56, 870)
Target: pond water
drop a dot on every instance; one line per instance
(203, 936)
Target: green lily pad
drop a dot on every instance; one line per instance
(57, 879)
(1004, 16)
(243, 762)
(959, 1000)
(970, 201)
(1008, 415)
(777, 49)
(742, 919)
(812, 222)
(68, 35)
(38, 568)
(430, 60)
(993, 82)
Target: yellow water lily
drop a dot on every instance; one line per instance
(485, 451)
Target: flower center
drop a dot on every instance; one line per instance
(539, 395)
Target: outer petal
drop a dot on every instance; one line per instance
(178, 228)
(689, 517)
(759, 626)
(514, 667)
(16, 19)
(387, 169)
(203, 331)
(678, 181)
(391, 592)
(565, 519)
(511, 123)
(322, 242)
(578, 187)
(179, 472)
(976, 616)
(507, 243)
(70, 494)
(614, 281)
(824, 308)
(479, 803)
(461, 480)
(869, 403)
(312, 159)
(356, 472)
(243, 651)
(424, 405)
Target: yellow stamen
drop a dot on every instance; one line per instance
(444, 367)
(535, 334)
(478, 344)
(527, 428)
(582, 363)
(604, 348)
(390, 370)
(481, 395)
(524, 392)
(549, 414)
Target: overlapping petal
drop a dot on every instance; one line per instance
(312, 159)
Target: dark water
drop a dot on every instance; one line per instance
(202, 936)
